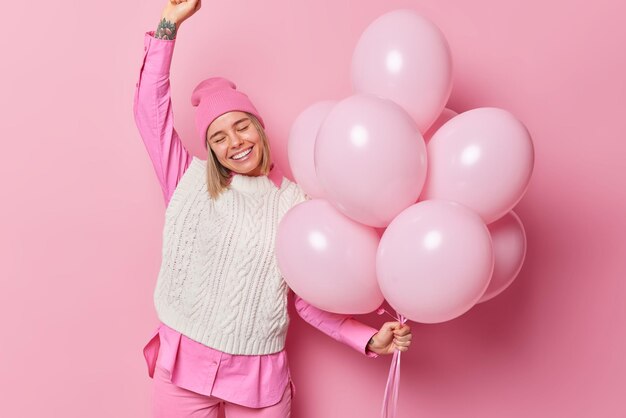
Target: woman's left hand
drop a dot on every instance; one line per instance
(392, 336)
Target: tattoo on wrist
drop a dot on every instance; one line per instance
(166, 30)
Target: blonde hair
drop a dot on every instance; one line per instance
(218, 176)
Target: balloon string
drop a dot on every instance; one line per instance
(390, 400)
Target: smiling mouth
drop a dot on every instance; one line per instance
(242, 154)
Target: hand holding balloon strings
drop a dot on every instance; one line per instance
(392, 337)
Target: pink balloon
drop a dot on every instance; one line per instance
(327, 259)
(434, 261)
(445, 116)
(509, 248)
(405, 57)
(301, 146)
(370, 159)
(482, 158)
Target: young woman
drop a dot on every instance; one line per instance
(220, 298)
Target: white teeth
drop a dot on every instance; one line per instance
(242, 154)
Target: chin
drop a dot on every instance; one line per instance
(239, 171)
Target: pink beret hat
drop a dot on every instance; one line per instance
(215, 96)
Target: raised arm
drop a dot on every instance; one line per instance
(343, 328)
(152, 105)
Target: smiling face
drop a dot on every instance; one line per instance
(236, 143)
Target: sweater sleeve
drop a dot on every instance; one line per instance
(153, 114)
(342, 328)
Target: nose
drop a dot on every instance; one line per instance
(236, 140)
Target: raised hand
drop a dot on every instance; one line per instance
(174, 14)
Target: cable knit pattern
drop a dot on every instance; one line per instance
(219, 282)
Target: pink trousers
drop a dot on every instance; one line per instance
(171, 401)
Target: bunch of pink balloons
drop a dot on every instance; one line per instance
(392, 159)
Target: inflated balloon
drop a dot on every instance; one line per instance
(301, 146)
(445, 116)
(405, 57)
(434, 261)
(370, 159)
(509, 248)
(482, 158)
(327, 259)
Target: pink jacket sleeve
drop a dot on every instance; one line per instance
(154, 118)
(342, 328)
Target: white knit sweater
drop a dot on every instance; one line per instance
(219, 282)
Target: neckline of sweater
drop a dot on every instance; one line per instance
(250, 184)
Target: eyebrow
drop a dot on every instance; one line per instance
(235, 123)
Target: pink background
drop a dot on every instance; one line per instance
(82, 213)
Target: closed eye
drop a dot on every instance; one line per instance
(243, 129)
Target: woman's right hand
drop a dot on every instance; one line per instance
(177, 11)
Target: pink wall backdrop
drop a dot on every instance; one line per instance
(82, 213)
